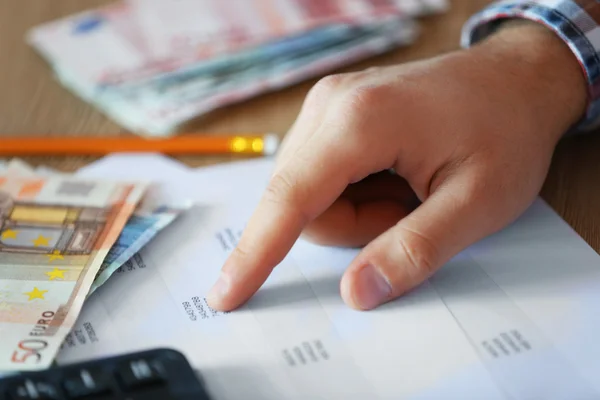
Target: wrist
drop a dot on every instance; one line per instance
(539, 72)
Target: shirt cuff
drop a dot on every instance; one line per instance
(568, 20)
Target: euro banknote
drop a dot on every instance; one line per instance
(159, 107)
(153, 65)
(151, 216)
(55, 232)
(133, 40)
(141, 228)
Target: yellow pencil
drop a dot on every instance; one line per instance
(257, 144)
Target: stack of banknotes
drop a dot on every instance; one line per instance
(61, 237)
(152, 65)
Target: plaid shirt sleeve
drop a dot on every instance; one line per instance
(577, 22)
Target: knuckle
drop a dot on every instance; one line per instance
(361, 103)
(350, 119)
(281, 188)
(365, 95)
(482, 186)
(421, 252)
(324, 88)
(329, 82)
(241, 252)
(372, 69)
(284, 192)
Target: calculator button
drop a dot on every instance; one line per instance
(88, 382)
(138, 373)
(30, 389)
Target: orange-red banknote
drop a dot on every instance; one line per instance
(54, 234)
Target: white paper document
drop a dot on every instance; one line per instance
(515, 316)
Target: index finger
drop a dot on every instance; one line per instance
(300, 189)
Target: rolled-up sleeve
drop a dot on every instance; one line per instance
(577, 22)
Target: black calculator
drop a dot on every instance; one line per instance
(158, 374)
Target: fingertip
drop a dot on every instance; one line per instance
(365, 288)
(234, 283)
(217, 296)
(346, 291)
(241, 276)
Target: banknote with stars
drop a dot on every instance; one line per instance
(55, 233)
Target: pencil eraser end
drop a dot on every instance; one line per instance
(271, 144)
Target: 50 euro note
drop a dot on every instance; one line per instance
(55, 232)
(154, 212)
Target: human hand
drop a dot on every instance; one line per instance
(470, 135)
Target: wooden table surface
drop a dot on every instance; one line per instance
(32, 103)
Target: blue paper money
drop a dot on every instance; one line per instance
(138, 232)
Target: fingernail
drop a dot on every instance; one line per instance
(371, 288)
(219, 289)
